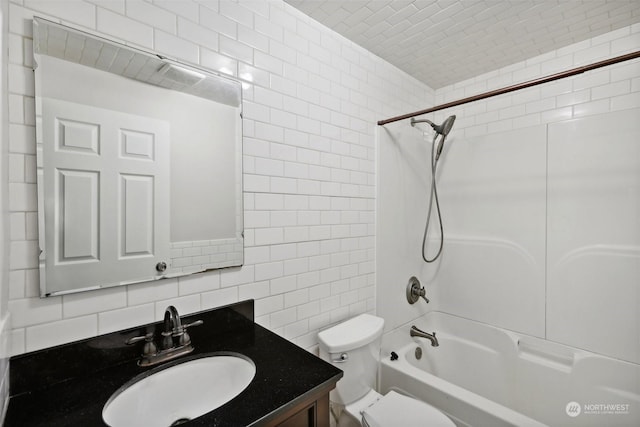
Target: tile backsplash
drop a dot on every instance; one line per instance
(311, 101)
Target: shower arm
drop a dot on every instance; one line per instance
(414, 121)
(437, 129)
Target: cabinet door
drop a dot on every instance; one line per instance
(313, 415)
(303, 418)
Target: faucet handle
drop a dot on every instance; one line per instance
(196, 323)
(183, 328)
(149, 346)
(148, 337)
(185, 339)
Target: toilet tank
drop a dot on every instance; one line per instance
(354, 347)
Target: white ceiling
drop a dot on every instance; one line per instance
(441, 42)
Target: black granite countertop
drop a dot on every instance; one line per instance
(68, 385)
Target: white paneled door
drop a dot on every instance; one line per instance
(106, 179)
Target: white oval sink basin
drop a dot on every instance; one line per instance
(179, 393)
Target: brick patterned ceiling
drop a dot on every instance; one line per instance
(441, 42)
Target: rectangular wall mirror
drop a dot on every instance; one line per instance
(139, 164)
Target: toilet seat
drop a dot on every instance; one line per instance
(394, 409)
(355, 409)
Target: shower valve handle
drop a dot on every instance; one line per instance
(415, 291)
(420, 292)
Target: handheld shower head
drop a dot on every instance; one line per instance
(443, 129)
(446, 126)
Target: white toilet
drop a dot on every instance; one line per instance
(354, 347)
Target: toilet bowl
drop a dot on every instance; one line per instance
(354, 347)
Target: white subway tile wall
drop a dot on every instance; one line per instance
(311, 100)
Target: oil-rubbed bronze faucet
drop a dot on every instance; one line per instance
(173, 328)
(415, 332)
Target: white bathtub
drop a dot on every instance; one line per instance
(486, 376)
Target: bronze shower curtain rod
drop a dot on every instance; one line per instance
(518, 86)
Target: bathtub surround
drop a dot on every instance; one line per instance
(486, 376)
(311, 99)
(538, 189)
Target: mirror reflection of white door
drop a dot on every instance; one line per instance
(100, 155)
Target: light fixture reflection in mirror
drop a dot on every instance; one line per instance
(139, 164)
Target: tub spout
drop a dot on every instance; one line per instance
(415, 332)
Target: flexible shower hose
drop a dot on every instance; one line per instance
(433, 195)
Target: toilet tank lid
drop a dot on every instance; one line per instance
(350, 334)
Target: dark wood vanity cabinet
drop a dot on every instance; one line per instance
(312, 412)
